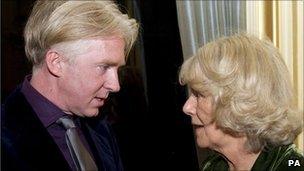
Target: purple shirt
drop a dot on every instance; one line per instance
(49, 113)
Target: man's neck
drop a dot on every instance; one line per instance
(45, 84)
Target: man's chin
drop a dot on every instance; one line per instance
(92, 113)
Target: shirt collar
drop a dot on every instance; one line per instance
(47, 112)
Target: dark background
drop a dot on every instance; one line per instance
(152, 131)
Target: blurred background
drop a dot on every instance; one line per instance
(151, 129)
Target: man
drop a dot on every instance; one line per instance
(76, 48)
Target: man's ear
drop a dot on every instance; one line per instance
(54, 62)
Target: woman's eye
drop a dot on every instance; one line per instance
(195, 93)
(202, 95)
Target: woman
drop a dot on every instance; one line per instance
(241, 105)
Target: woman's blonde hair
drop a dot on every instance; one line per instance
(251, 87)
(53, 22)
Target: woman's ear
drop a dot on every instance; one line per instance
(54, 62)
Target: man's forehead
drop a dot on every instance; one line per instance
(91, 42)
(110, 49)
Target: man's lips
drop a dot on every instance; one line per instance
(100, 101)
(100, 98)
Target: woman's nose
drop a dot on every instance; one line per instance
(189, 106)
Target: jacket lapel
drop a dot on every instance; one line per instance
(102, 143)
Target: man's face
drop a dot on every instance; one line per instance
(88, 79)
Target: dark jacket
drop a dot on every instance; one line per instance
(26, 144)
(282, 158)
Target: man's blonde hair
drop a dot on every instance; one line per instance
(251, 87)
(53, 22)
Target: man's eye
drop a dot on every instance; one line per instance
(103, 68)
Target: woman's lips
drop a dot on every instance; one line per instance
(197, 126)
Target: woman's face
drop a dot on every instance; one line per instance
(200, 108)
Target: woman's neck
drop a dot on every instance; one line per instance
(237, 156)
(242, 161)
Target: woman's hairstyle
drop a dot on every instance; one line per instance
(52, 22)
(251, 87)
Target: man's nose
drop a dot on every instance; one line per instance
(189, 107)
(112, 82)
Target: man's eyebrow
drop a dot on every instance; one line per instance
(111, 63)
(122, 64)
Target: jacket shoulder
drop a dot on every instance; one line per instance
(25, 142)
(289, 158)
(13, 111)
